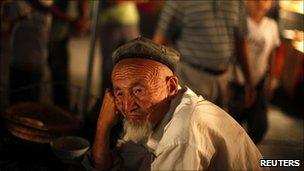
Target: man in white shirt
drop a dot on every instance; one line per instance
(166, 127)
(263, 41)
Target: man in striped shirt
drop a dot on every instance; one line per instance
(210, 35)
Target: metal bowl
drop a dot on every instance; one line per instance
(69, 148)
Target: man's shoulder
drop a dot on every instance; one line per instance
(198, 114)
(198, 125)
(194, 112)
(194, 107)
(198, 109)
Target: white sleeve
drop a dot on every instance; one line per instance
(180, 157)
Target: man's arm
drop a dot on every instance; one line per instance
(241, 48)
(168, 26)
(160, 39)
(101, 154)
(242, 56)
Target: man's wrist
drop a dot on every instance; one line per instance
(103, 131)
(104, 126)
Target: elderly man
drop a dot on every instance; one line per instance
(165, 126)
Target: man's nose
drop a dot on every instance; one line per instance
(129, 103)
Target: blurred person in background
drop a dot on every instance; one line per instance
(62, 28)
(263, 42)
(119, 24)
(28, 44)
(149, 13)
(210, 35)
(30, 37)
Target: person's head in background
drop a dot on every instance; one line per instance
(257, 9)
(142, 87)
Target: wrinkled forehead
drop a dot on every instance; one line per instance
(139, 68)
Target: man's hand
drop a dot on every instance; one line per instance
(241, 45)
(108, 116)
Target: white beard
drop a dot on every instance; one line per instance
(137, 133)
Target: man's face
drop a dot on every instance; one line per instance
(259, 6)
(140, 90)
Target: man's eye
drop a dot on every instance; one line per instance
(118, 94)
(137, 90)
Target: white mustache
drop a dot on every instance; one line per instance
(143, 112)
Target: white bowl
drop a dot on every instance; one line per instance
(69, 147)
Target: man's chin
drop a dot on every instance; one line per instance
(137, 131)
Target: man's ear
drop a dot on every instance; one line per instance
(172, 85)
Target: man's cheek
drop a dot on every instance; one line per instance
(141, 98)
(143, 104)
(118, 102)
(118, 105)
